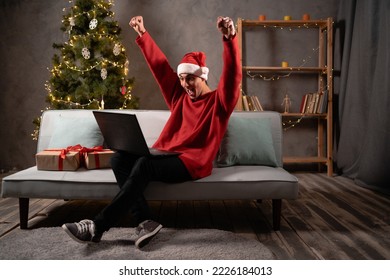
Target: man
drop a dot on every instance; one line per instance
(198, 121)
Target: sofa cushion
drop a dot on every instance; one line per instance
(247, 142)
(70, 131)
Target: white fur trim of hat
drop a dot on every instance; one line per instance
(194, 63)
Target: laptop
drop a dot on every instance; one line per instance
(122, 132)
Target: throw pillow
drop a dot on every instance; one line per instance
(247, 142)
(74, 131)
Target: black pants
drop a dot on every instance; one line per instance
(133, 174)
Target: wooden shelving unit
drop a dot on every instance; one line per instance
(323, 72)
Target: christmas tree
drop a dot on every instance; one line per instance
(91, 70)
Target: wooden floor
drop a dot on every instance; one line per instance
(332, 219)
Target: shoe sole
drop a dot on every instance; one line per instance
(144, 240)
(65, 228)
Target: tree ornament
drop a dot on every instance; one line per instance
(103, 73)
(71, 21)
(123, 90)
(117, 49)
(102, 103)
(93, 24)
(126, 70)
(86, 53)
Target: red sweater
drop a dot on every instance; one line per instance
(195, 128)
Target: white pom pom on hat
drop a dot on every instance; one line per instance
(194, 63)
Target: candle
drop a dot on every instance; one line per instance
(306, 17)
(287, 17)
(284, 64)
(261, 17)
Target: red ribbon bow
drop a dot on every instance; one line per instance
(77, 148)
(93, 150)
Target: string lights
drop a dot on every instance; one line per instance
(277, 77)
(291, 124)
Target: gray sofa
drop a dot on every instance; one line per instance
(238, 181)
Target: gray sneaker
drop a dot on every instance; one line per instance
(146, 231)
(83, 231)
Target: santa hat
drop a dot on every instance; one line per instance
(194, 63)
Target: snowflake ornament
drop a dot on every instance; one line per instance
(117, 49)
(93, 24)
(86, 53)
(103, 73)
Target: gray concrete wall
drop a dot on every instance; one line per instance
(30, 27)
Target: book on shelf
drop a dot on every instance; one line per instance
(302, 109)
(245, 105)
(314, 103)
(303, 104)
(316, 97)
(311, 104)
(307, 103)
(323, 102)
(258, 104)
(251, 103)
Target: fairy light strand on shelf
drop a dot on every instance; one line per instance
(277, 77)
(291, 124)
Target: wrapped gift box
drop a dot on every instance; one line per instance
(98, 159)
(60, 160)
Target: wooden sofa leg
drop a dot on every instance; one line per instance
(276, 213)
(23, 212)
